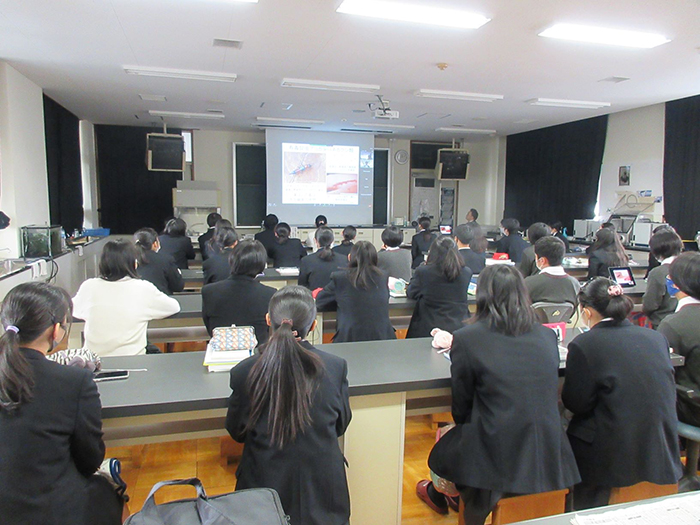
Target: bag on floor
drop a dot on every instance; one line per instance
(245, 507)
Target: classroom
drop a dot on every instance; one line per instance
(346, 130)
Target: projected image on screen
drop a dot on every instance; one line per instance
(320, 174)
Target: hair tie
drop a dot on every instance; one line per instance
(287, 321)
(12, 328)
(615, 290)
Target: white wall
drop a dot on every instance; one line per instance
(24, 194)
(484, 189)
(635, 138)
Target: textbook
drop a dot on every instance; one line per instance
(223, 360)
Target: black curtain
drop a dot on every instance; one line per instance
(682, 166)
(131, 197)
(553, 173)
(63, 165)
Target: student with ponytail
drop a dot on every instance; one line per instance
(440, 289)
(155, 266)
(50, 419)
(316, 269)
(620, 386)
(217, 267)
(286, 252)
(289, 404)
(349, 234)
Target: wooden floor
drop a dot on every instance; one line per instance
(200, 458)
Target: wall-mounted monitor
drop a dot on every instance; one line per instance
(452, 164)
(165, 152)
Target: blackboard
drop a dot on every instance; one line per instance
(251, 184)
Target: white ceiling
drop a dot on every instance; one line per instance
(76, 51)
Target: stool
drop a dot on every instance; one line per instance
(512, 509)
(640, 491)
(690, 480)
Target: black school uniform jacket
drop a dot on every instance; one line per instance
(217, 267)
(50, 447)
(514, 245)
(343, 249)
(160, 269)
(309, 473)
(203, 240)
(239, 300)
(287, 254)
(420, 246)
(362, 315)
(267, 238)
(439, 303)
(180, 248)
(508, 436)
(475, 261)
(599, 261)
(619, 385)
(315, 272)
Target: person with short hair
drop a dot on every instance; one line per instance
(392, 259)
(653, 261)
(439, 288)
(421, 242)
(286, 252)
(360, 296)
(315, 270)
(620, 387)
(349, 234)
(175, 242)
(472, 216)
(607, 251)
(289, 404)
(552, 284)
(682, 329)
(464, 236)
(203, 239)
(557, 229)
(218, 267)
(535, 232)
(267, 236)
(511, 241)
(240, 299)
(154, 266)
(657, 303)
(117, 305)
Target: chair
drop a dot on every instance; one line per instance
(553, 312)
(512, 509)
(690, 480)
(640, 491)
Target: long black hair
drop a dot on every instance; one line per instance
(324, 237)
(175, 227)
(608, 241)
(118, 260)
(214, 243)
(606, 297)
(443, 254)
(285, 377)
(144, 239)
(28, 310)
(363, 271)
(503, 301)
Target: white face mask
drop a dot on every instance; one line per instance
(503, 230)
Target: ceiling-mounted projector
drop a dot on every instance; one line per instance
(387, 114)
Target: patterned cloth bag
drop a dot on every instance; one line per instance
(229, 338)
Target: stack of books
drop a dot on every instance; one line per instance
(224, 360)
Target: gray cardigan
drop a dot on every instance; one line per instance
(656, 303)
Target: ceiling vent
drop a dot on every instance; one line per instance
(227, 42)
(375, 131)
(153, 98)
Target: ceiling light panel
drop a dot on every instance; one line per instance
(457, 95)
(289, 120)
(408, 12)
(377, 125)
(186, 74)
(602, 35)
(561, 103)
(330, 86)
(153, 98)
(185, 114)
(466, 131)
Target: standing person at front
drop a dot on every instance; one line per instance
(117, 305)
(175, 242)
(505, 381)
(440, 289)
(50, 420)
(286, 252)
(361, 296)
(619, 385)
(315, 270)
(289, 405)
(606, 251)
(421, 241)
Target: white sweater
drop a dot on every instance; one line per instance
(116, 314)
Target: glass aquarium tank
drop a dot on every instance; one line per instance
(41, 241)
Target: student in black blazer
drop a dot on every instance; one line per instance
(360, 295)
(175, 242)
(619, 385)
(527, 264)
(218, 267)
(289, 404)
(286, 252)
(464, 236)
(240, 299)
(607, 251)
(440, 289)
(316, 269)
(511, 241)
(349, 234)
(557, 229)
(203, 239)
(267, 237)
(50, 419)
(508, 436)
(154, 266)
(421, 241)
